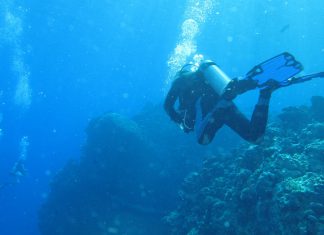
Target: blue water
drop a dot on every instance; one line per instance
(81, 59)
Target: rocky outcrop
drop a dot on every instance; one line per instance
(128, 178)
(117, 177)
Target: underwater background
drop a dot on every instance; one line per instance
(85, 80)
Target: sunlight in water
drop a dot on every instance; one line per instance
(11, 35)
(23, 91)
(13, 27)
(195, 15)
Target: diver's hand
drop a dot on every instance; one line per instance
(184, 128)
(176, 117)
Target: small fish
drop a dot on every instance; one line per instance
(284, 28)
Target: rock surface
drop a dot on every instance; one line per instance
(126, 180)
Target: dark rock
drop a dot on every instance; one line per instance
(317, 108)
(317, 207)
(252, 158)
(289, 203)
(248, 196)
(119, 176)
(315, 130)
(289, 120)
(265, 184)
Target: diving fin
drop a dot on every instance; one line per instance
(279, 68)
(294, 80)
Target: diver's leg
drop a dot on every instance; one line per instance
(254, 129)
(259, 118)
(259, 121)
(207, 130)
(209, 125)
(238, 122)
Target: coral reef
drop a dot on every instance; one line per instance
(276, 187)
(126, 180)
(117, 176)
(129, 176)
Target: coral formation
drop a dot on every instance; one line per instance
(273, 188)
(115, 178)
(125, 181)
(129, 176)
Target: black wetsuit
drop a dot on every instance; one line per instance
(192, 91)
(188, 89)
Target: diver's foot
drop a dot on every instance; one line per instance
(271, 86)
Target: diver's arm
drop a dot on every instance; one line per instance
(169, 102)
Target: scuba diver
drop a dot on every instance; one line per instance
(205, 96)
(18, 170)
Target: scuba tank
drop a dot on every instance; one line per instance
(215, 77)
